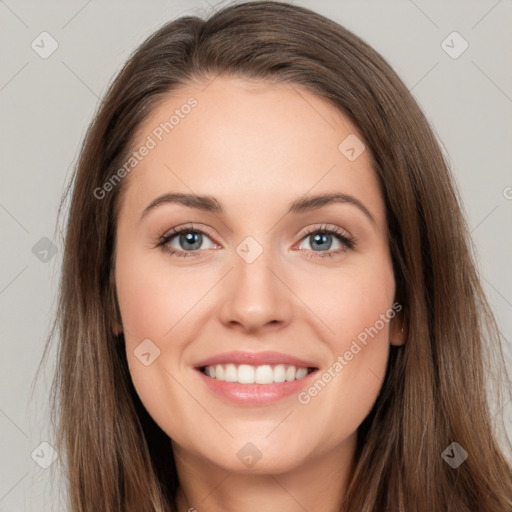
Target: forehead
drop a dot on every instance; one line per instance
(249, 143)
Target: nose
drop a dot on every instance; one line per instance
(256, 297)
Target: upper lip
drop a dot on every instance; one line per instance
(255, 359)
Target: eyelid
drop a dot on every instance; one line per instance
(191, 227)
(325, 227)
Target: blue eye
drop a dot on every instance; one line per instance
(190, 241)
(322, 239)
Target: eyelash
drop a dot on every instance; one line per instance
(349, 242)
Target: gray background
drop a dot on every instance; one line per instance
(46, 105)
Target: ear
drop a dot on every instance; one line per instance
(117, 328)
(115, 316)
(397, 330)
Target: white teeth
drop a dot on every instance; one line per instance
(290, 373)
(231, 373)
(301, 373)
(279, 373)
(264, 375)
(247, 374)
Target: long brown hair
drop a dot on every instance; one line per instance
(436, 387)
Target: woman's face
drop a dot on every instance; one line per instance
(254, 290)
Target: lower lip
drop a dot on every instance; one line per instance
(255, 394)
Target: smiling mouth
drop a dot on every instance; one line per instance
(249, 374)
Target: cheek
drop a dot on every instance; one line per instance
(348, 300)
(152, 298)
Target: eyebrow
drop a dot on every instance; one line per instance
(301, 205)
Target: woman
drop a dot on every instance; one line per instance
(323, 342)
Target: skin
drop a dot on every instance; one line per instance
(256, 147)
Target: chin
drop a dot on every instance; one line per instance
(255, 457)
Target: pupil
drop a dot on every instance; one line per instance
(322, 238)
(192, 238)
